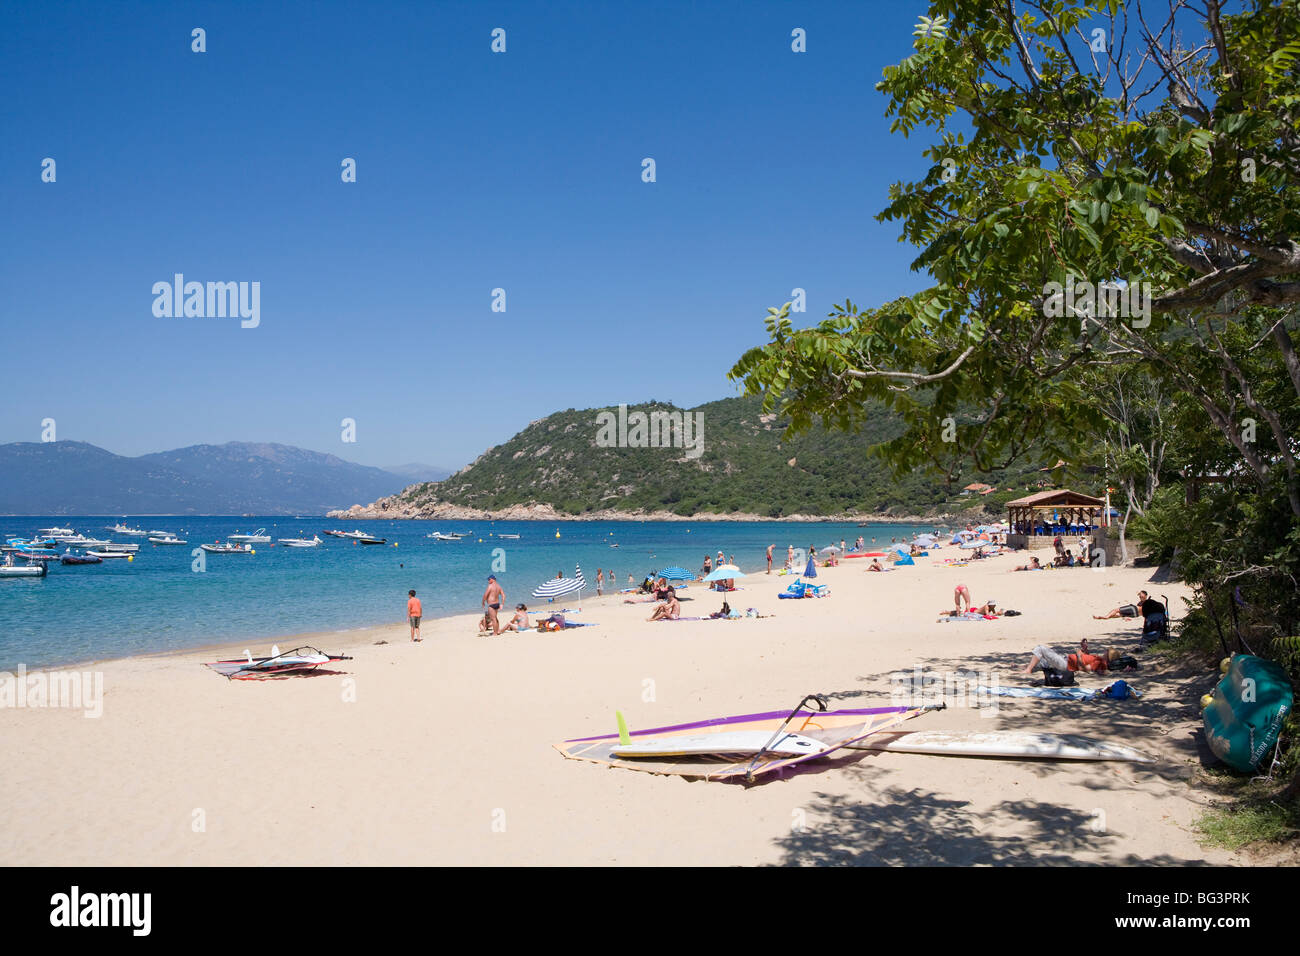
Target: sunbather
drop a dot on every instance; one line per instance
(1145, 605)
(520, 621)
(1033, 565)
(660, 593)
(1084, 660)
(668, 611)
(876, 565)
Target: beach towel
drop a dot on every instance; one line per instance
(968, 616)
(1065, 693)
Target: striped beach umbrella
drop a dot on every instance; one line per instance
(675, 574)
(557, 587)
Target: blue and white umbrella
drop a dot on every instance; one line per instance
(675, 574)
(557, 587)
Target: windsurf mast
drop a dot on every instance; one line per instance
(816, 699)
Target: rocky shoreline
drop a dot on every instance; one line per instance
(393, 508)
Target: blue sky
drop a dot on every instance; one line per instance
(475, 171)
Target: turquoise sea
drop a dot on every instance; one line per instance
(157, 602)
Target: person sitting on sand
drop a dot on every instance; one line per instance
(876, 565)
(520, 621)
(668, 611)
(659, 591)
(1033, 565)
(725, 612)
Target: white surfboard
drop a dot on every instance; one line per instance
(1003, 743)
(727, 742)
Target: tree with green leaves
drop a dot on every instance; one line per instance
(1109, 185)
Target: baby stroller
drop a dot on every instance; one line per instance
(1155, 626)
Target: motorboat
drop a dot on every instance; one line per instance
(119, 548)
(372, 540)
(54, 532)
(166, 539)
(357, 535)
(335, 534)
(313, 542)
(70, 558)
(10, 570)
(439, 536)
(111, 554)
(72, 540)
(257, 537)
(228, 548)
(509, 537)
(133, 532)
(92, 543)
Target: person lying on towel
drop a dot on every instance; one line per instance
(1048, 660)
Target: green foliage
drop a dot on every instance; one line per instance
(745, 467)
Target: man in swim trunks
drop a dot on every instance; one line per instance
(493, 598)
(769, 557)
(413, 613)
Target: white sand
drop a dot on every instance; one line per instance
(445, 756)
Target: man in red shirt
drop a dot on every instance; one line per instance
(414, 612)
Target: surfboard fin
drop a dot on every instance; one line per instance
(624, 738)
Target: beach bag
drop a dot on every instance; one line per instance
(1119, 690)
(1124, 664)
(1054, 678)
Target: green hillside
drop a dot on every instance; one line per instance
(746, 466)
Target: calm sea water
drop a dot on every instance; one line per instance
(156, 602)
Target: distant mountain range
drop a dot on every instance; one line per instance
(76, 478)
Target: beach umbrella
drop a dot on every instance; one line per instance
(831, 547)
(557, 587)
(924, 540)
(675, 574)
(726, 573)
(972, 543)
(901, 547)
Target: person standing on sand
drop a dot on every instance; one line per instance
(493, 598)
(769, 557)
(600, 581)
(413, 613)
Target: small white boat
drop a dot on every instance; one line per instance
(22, 570)
(358, 535)
(109, 554)
(93, 542)
(227, 548)
(509, 537)
(257, 537)
(119, 548)
(54, 532)
(166, 539)
(312, 542)
(72, 540)
(439, 536)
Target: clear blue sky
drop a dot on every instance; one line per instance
(475, 170)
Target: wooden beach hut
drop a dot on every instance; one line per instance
(1035, 520)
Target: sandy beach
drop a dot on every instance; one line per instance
(441, 752)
